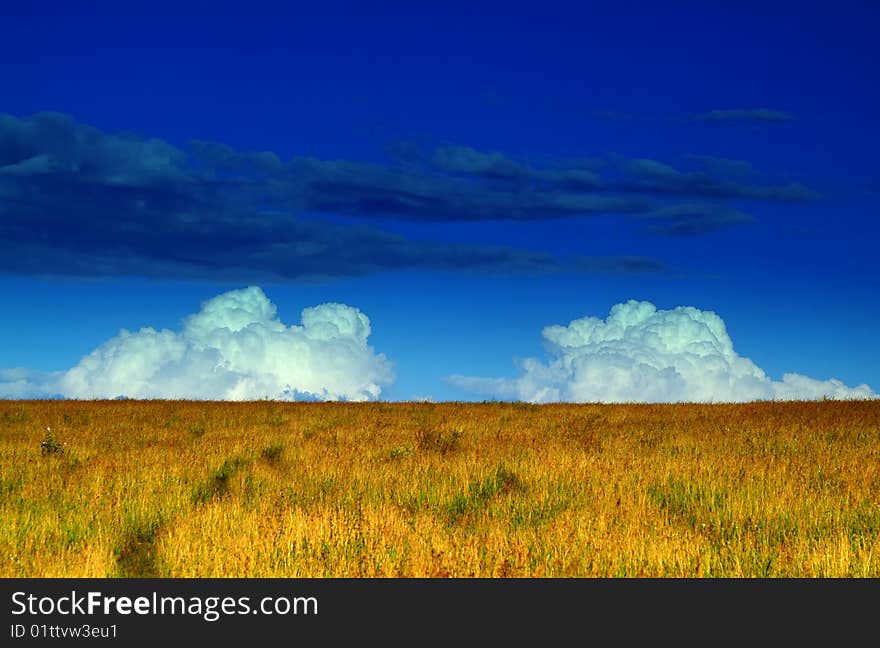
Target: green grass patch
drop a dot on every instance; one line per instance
(272, 453)
(441, 442)
(135, 554)
(481, 492)
(217, 485)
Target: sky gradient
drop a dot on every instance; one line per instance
(461, 177)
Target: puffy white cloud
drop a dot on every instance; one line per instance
(642, 354)
(234, 348)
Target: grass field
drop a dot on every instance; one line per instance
(186, 489)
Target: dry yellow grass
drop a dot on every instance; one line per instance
(189, 489)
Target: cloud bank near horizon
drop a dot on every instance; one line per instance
(642, 354)
(234, 348)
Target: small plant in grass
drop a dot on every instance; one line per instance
(197, 430)
(50, 445)
(436, 441)
(399, 452)
(273, 452)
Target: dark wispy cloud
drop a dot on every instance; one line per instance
(426, 195)
(465, 160)
(694, 218)
(77, 201)
(746, 115)
(478, 185)
(653, 177)
(720, 166)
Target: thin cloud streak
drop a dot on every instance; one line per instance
(746, 115)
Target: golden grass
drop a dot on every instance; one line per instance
(189, 489)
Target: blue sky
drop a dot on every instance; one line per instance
(465, 176)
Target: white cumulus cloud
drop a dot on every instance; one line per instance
(642, 354)
(234, 348)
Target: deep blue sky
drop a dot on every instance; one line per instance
(765, 120)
